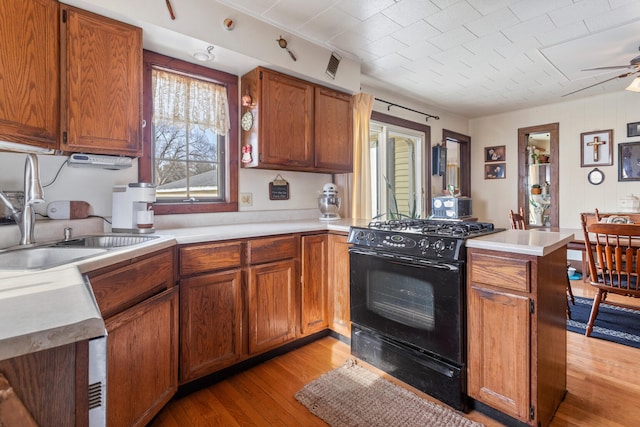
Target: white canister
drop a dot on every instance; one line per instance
(629, 204)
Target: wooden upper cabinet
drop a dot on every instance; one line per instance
(101, 86)
(286, 116)
(296, 125)
(333, 130)
(30, 72)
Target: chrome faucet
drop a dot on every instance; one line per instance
(33, 194)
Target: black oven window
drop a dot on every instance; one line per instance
(403, 299)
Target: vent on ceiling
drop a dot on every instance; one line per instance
(332, 67)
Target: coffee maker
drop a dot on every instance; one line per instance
(131, 212)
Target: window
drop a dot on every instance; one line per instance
(398, 167)
(188, 152)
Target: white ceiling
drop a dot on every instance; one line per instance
(471, 57)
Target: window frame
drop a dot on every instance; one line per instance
(145, 162)
(425, 164)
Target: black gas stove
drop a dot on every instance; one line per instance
(422, 238)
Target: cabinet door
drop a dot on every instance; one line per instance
(499, 331)
(333, 129)
(210, 323)
(286, 121)
(339, 285)
(313, 298)
(101, 84)
(30, 72)
(142, 360)
(271, 305)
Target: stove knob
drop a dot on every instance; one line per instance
(439, 246)
(360, 235)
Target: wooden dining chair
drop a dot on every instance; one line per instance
(613, 254)
(518, 223)
(517, 219)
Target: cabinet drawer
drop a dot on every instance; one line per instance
(126, 286)
(209, 257)
(505, 272)
(271, 249)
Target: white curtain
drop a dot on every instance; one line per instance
(178, 99)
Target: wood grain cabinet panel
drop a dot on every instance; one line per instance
(30, 72)
(333, 127)
(270, 249)
(500, 350)
(101, 85)
(271, 305)
(203, 258)
(142, 357)
(339, 285)
(313, 289)
(46, 381)
(210, 323)
(119, 288)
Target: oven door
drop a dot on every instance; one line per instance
(415, 301)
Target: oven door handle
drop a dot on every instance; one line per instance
(413, 261)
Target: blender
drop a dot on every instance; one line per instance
(329, 203)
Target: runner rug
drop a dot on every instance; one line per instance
(352, 396)
(617, 324)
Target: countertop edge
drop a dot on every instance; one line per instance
(526, 242)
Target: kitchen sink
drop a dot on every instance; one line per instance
(106, 241)
(40, 257)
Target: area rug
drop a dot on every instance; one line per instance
(617, 324)
(352, 396)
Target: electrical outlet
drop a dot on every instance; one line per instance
(246, 199)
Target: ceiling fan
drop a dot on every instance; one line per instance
(633, 66)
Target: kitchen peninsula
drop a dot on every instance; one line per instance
(516, 317)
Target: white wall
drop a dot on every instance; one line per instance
(492, 199)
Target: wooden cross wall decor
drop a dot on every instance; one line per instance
(596, 148)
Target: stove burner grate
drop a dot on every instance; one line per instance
(460, 229)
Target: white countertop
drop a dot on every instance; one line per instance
(527, 242)
(45, 309)
(42, 309)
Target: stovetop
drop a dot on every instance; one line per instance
(431, 227)
(420, 238)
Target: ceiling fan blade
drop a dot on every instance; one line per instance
(621, 76)
(613, 67)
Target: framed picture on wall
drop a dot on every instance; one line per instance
(596, 148)
(494, 154)
(629, 161)
(633, 129)
(494, 171)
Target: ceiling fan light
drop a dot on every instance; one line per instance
(635, 85)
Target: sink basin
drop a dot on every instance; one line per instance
(107, 241)
(44, 257)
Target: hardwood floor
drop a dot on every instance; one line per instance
(603, 382)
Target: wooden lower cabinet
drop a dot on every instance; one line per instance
(313, 286)
(210, 323)
(139, 302)
(516, 329)
(271, 290)
(338, 302)
(52, 384)
(142, 350)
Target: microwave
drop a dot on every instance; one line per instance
(450, 207)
